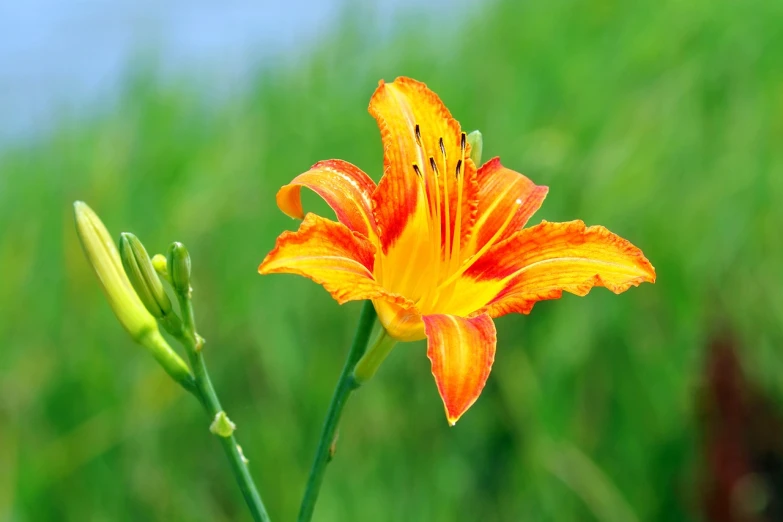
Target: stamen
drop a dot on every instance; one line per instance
(447, 205)
(424, 187)
(475, 257)
(429, 190)
(455, 249)
(433, 210)
(411, 275)
(437, 219)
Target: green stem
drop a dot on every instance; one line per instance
(372, 358)
(169, 360)
(209, 399)
(345, 385)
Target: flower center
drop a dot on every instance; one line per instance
(443, 214)
(429, 263)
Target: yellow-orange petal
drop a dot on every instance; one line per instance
(461, 351)
(402, 323)
(506, 201)
(344, 187)
(331, 255)
(417, 129)
(543, 261)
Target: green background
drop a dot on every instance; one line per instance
(662, 121)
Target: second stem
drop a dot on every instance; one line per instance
(211, 404)
(345, 385)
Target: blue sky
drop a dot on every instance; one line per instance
(59, 57)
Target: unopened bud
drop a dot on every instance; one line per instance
(179, 268)
(133, 316)
(143, 276)
(160, 265)
(476, 145)
(105, 260)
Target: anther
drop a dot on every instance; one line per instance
(433, 165)
(418, 135)
(459, 166)
(462, 141)
(442, 147)
(416, 170)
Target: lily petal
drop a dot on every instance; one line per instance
(461, 351)
(417, 129)
(344, 187)
(543, 261)
(333, 256)
(507, 200)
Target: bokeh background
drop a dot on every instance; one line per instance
(662, 120)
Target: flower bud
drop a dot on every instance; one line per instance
(133, 316)
(160, 265)
(105, 260)
(143, 277)
(179, 268)
(476, 145)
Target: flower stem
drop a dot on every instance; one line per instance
(372, 358)
(206, 394)
(345, 385)
(169, 360)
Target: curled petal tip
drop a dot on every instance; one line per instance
(343, 186)
(288, 200)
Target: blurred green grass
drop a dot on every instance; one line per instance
(661, 120)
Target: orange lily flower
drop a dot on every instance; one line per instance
(439, 245)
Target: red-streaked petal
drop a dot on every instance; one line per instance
(543, 261)
(331, 255)
(461, 351)
(506, 201)
(344, 187)
(399, 107)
